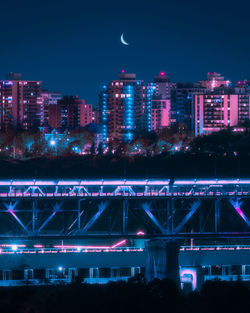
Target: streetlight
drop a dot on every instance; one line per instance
(52, 142)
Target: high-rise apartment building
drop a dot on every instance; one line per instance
(160, 114)
(125, 108)
(182, 103)
(86, 114)
(95, 116)
(70, 112)
(214, 112)
(48, 99)
(163, 86)
(161, 104)
(214, 80)
(20, 103)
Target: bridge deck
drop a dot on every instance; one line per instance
(138, 188)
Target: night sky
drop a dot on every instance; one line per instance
(74, 46)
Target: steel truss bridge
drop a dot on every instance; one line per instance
(113, 208)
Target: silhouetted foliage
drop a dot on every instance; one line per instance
(158, 296)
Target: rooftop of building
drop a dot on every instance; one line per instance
(162, 78)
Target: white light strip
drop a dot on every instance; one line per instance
(22, 183)
(45, 183)
(185, 182)
(68, 183)
(5, 183)
(206, 182)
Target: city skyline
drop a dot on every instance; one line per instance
(124, 156)
(127, 106)
(79, 46)
(45, 88)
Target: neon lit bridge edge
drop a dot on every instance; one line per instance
(139, 188)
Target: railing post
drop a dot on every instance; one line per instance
(34, 216)
(217, 215)
(124, 216)
(171, 215)
(79, 215)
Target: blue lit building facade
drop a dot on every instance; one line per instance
(125, 108)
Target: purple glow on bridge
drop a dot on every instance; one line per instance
(189, 275)
(120, 243)
(140, 233)
(239, 211)
(78, 247)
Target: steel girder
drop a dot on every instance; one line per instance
(170, 217)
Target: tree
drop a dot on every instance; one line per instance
(100, 149)
(92, 149)
(110, 148)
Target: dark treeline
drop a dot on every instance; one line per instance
(133, 297)
(222, 154)
(23, 145)
(178, 165)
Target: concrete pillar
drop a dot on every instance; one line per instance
(162, 260)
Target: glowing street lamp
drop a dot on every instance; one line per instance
(52, 142)
(14, 247)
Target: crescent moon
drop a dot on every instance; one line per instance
(123, 41)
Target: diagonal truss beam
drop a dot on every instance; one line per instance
(102, 207)
(146, 208)
(34, 189)
(10, 208)
(193, 209)
(123, 190)
(75, 220)
(237, 206)
(56, 208)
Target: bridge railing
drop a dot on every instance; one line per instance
(227, 277)
(123, 188)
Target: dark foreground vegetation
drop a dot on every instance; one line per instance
(169, 154)
(165, 165)
(158, 296)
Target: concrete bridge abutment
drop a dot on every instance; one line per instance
(162, 260)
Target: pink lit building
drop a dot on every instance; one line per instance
(214, 112)
(160, 114)
(163, 86)
(48, 99)
(214, 80)
(161, 103)
(20, 103)
(86, 114)
(70, 112)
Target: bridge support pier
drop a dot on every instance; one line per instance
(162, 260)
